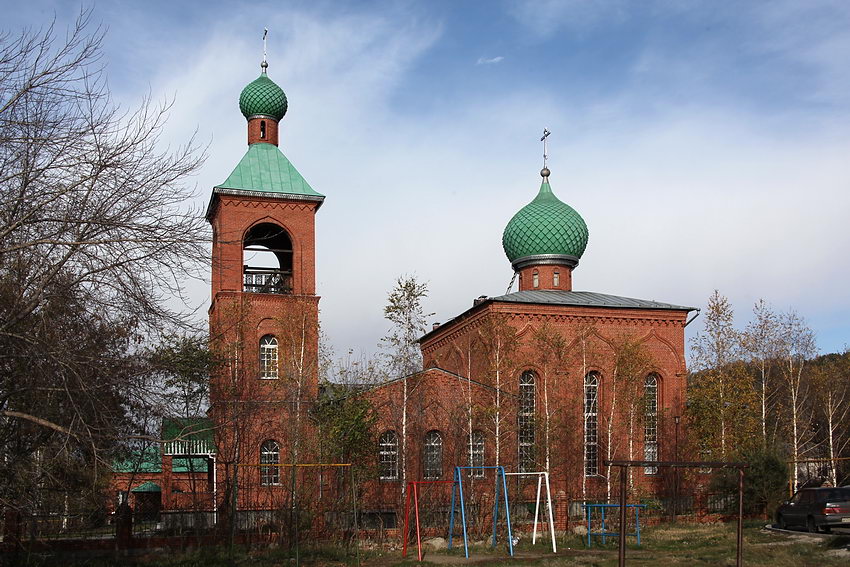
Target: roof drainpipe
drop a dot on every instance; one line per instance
(691, 320)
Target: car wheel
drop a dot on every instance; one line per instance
(810, 523)
(826, 529)
(781, 522)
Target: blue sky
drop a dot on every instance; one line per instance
(706, 144)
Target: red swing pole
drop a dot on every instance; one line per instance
(416, 504)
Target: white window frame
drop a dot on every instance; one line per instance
(591, 423)
(476, 454)
(269, 455)
(650, 422)
(388, 455)
(269, 361)
(525, 421)
(432, 455)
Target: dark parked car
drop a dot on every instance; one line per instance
(816, 509)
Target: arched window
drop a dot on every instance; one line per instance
(556, 278)
(650, 422)
(535, 279)
(262, 129)
(476, 454)
(388, 456)
(525, 421)
(267, 260)
(433, 455)
(269, 455)
(268, 357)
(591, 414)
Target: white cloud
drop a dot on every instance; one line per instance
(489, 61)
(699, 197)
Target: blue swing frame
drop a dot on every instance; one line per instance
(458, 484)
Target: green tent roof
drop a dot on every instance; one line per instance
(264, 169)
(147, 487)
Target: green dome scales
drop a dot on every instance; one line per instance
(546, 227)
(262, 97)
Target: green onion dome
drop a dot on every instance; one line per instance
(262, 97)
(545, 231)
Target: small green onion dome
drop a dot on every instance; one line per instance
(546, 230)
(262, 97)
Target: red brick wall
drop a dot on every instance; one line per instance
(546, 277)
(235, 215)
(255, 130)
(441, 402)
(249, 410)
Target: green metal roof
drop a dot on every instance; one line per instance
(147, 487)
(194, 428)
(264, 169)
(147, 461)
(263, 97)
(190, 465)
(545, 226)
(188, 436)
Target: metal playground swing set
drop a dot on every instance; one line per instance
(458, 496)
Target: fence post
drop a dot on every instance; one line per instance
(124, 526)
(622, 546)
(740, 542)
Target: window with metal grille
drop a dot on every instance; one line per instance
(650, 422)
(476, 454)
(433, 455)
(591, 414)
(525, 421)
(268, 357)
(269, 455)
(388, 456)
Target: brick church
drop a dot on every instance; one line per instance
(545, 378)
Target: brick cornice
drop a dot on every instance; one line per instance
(558, 314)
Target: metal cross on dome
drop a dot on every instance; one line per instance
(546, 133)
(265, 33)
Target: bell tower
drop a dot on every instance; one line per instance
(264, 312)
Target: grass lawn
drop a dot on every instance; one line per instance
(681, 544)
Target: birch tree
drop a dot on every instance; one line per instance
(585, 356)
(402, 356)
(552, 350)
(623, 398)
(796, 347)
(713, 353)
(498, 342)
(831, 401)
(760, 342)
